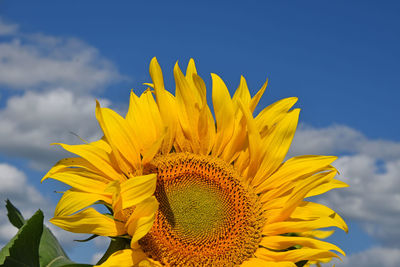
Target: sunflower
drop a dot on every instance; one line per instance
(188, 189)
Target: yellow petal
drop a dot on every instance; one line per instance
(242, 93)
(299, 226)
(188, 107)
(89, 221)
(82, 180)
(294, 168)
(102, 144)
(142, 218)
(95, 156)
(277, 145)
(144, 118)
(298, 194)
(254, 101)
(310, 210)
(152, 151)
(326, 187)
(273, 114)
(321, 234)
(166, 104)
(294, 255)
(137, 189)
(70, 162)
(224, 114)
(284, 242)
(124, 258)
(156, 73)
(121, 138)
(254, 141)
(256, 262)
(73, 201)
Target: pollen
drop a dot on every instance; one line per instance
(207, 214)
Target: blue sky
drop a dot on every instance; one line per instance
(340, 59)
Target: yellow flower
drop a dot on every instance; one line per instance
(188, 189)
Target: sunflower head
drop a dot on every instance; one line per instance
(188, 187)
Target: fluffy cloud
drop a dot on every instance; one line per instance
(7, 28)
(341, 139)
(62, 74)
(29, 123)
(377, 256)
(370, 167)
(39, 61)
(14, 186)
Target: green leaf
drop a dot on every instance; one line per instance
(22, 250)
(14, 215)
(50, 251)
(52, 254)
(34, 244)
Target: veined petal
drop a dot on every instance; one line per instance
(277, 145)
(89, 221)
(326, 187)
(242, 93)
(96, 156)
(321, 234)
(124, 258)
(294, 255)
(142, 218)
(299, 226)
(294, 168)
(298, 194)
(256, 262)
(188, 109)
(82, 180)
(68, 163)
(152, 151)
(310, 210)
(144, 118)
(254, 141)
(206, 120)
(284, 242)
(137, 189)
(273, 114)
(73, 201)
(224, 114)
(102, 144)
(254, 101)
(166, 104)
(199, 93)
(120, 136)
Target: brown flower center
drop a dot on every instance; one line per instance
(207, 215)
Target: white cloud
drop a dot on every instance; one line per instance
(370, 167)
(377, 256)
(29, 123)
(38, 61)
(61, 75)
(340, 138)
(14, 186)
(7, 28)
(44, 62)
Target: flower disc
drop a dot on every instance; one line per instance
(207, 215)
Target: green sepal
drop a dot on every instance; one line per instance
(87, 239)
(116, 244)
(14, 215)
